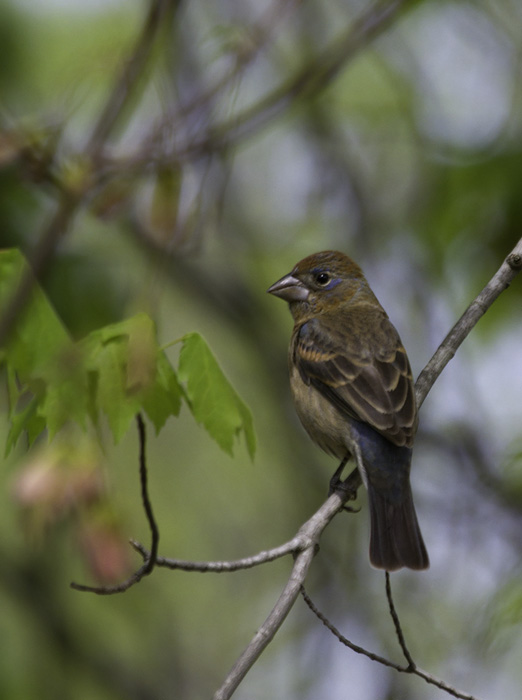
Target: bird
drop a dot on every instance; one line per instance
(353, 391)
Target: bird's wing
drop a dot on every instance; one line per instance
(367, 376)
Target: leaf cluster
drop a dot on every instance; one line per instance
(116, 371)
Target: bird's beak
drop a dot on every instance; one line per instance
(289, 288)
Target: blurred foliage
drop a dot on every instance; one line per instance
(117, 370)
(248, 136)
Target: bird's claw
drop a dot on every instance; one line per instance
(336, 483)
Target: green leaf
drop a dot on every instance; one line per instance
(213, 400)
(129, 372)
(163, 398)
(117, 370)
(36, 355)
(39, 335)
(115, 391)
(66, 392)
(119, 406)
(26, 420)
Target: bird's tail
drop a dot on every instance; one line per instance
(395, 539)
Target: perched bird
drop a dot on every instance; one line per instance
(353, 391)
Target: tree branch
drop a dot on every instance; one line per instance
(308, 538)
(411, 668)
(267, 631)
(218, 567)
(478, 307)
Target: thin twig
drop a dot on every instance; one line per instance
(218, 567)
(145, 498)
(398, 628)
(411, 669)
(150, 561)
(354, 647)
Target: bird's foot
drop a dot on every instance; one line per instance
(338, 485)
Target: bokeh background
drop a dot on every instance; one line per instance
(254, 134)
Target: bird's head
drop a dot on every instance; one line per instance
(319, 283)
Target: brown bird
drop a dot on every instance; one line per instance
(353, 391)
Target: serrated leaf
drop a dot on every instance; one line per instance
(25, 420)
(129, 373)
(118, 405)
(163, 398)
(117, 370)
(33, 354)
(38, 335)
(213, 400)
(66, 393)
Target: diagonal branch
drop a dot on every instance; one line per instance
(308, 538)
(314, 77)
(507, 272)
(267, 631)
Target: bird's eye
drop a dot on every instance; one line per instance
(322, 278)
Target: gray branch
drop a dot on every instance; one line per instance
(478, 307)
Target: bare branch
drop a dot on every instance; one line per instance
(145, 498)
(308, 537)
(267, 631)
(151, 559)
(398, 629)
(411, 668)
(478, 307)
(259, 35)
(354, 647)
(218, 567)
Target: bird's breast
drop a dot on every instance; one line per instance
(321, 420)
